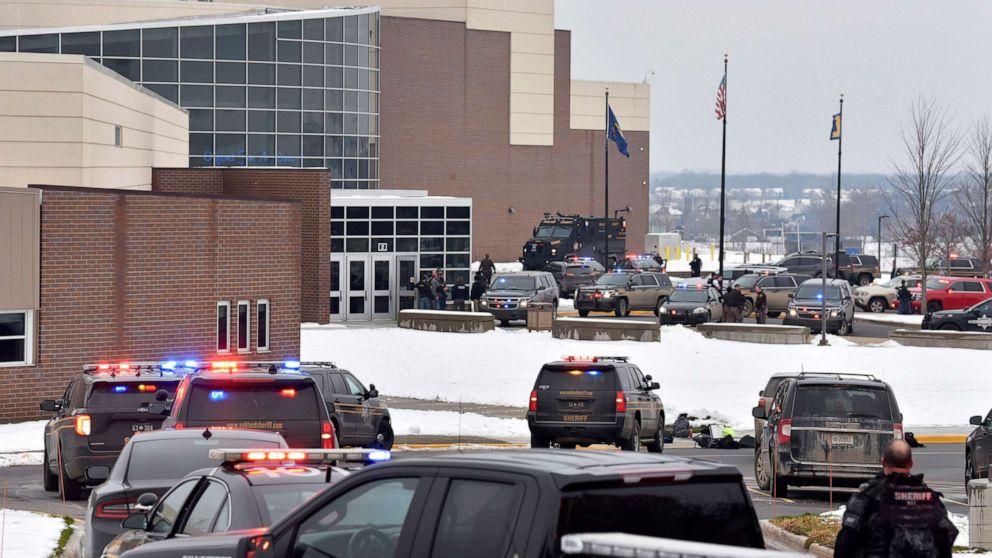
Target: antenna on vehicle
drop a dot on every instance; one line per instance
(207, 434)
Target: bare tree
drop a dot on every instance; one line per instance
(950, 236)
(975, 192)
(931, 147)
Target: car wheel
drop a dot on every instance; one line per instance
(843, 328)
(554, 310)
(877, 305)
(748, 307)
(657, 444)
(504, 323)
(621, 308)
(970, 471)
(566, 445)
(583, 313)
(658, 305)
(934, 306)
(70, 489)
(774, 314)
(634, 442)
(384, 438)
(950, 327)
(539, 442)
(49, 480)
(761, 474)
(864, 280)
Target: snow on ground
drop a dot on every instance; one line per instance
(697, 375)
(29, 535)
(452, 423)
(897, 319)
(17, 439)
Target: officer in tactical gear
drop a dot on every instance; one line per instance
(895, 514)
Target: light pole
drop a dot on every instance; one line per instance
(879, 239)
(823, 291)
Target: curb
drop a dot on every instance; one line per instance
(790, 541)
(868, 318)
(942, 438)
(74, 546)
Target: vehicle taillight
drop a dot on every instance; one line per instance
(179, 425)
(258, 546)
(621, 402)
(113, 509)
(83, 425)
(784, 431)
(326, 435)
(897, 431)
(533, 400)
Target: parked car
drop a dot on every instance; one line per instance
(359, 417)
(878, 297)
(976, 318)
(978, 448)
(806, 307)
(778, 289)
(642, 262)
(805, 263)
(574, 273)
(951, 267)
(731, 274)
(510, 294)
(499, 503)
(824, 429)
(583, 400)
(622, 291)
(766, 395)
(692, 304)
(952, 293)
(858, 269)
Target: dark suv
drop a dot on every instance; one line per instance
(574, 273)
(510, 294)
(501, 503)
(584, 400)
(978, 448)
(98, 413)
(622, 291)
(824, 429)
(360, 418)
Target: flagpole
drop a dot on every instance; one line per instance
(723, 167)
(840, 141)
(606, 197)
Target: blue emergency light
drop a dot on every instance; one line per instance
(169, 365)
(217, 395)
(191, 364)
(120, 389)
(378, 455)
(292, 364)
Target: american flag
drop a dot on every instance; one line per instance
(721, 99)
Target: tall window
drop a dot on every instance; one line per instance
(244, 321)
(15, 338)
(263, 325)
(223, 326)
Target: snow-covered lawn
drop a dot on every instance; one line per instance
(29, 535)
(897, 319)
(452, 423)
(934, 387)
(18, 439)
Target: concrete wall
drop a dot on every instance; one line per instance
(58, 115)
(15, 14)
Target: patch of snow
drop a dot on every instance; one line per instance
(499, 367)
(453, 423)
(21, 443)
(28, 534)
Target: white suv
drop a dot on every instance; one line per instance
(878, 297)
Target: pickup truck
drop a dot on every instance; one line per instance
(495, 504)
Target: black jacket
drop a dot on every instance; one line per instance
(734, 299)
(895, 515)
(903, 294)
(459, 292)
(761, 301)
(478, 289)
(487, 267)
(424, 289)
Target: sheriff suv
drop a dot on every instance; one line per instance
(622, 291)
(824, 429)
(360, 418)
(96, 416)
(584, 400)
(510, 294)
(500, 503)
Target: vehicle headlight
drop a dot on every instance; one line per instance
(608, 294)
(523, 303)
(793, 313)
(484, 301)
(699, 310)
(834, 313)
(663, 309)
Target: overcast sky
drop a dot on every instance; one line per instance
(789, 60)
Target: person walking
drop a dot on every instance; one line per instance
(895, 514)
(478, 289)
(459, 294)
(696, 265)
(440, 291)
(905, 299)
(487, 268)
(760, 305)
(425, 293)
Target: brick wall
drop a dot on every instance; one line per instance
(445, 128)
(137, 276)
(310, 187)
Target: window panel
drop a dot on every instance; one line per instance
(231, 42)
(333, 29)
(288, 146)
(122, 43)
(313, 146)
(406, 244)
(263, 325)
(201, 120)
(333, 146)
(83, 43)
(261, 145)
(333, 76)
(350, 147)
(313, 99)
(357, 228)
(231, 96)
(170, 92)
(288, 74)
(333, 54)
(313, 123)
(431, 261)
(313, 29)
(457, 227)
(313, 53)
(261, 97)
(290, 29)
(230, 145)
(357, 245)
(288, 98)
(196, 72)
(351, 55)
(477, 519)
(456, 260)
(244, 319)
(455, 212)
(160, 70)
(432, 212)
(196, 95)
(350, 168)
(407, 212)
(288, 121)
(363, 29)
(9, 44)
(127, 67)
(231, 72)
(196, 42)
(201, 516)
(351, 78)
(457, 244)
(262, 41)
(351, 29)
(262, 121)
(382, 212)
(223, 326)
(350, 123)
(201, 147)
(432, 228)
(289, 51)
(334, 98)
(433, 244)
(231, 120)
(313, 76)
(48, 43)
(382, 228)
(262, 74)
(351, 100)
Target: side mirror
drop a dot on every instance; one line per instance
(648, 377)
(372, 392)
(136, 521)
(161, 395)
(759, 412)
(976, 420)
(49, 405)
(159, 408)
(146, 502)
(654, 385)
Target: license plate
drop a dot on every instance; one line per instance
(576, 418)
(142, 427)
(576, 404)
(841, 440)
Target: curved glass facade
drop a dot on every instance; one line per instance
(296, 89)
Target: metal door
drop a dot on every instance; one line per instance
(335, 301)
(405, 281)
(357, 295)
(382, 292)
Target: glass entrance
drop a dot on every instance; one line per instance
(382, 295)
(337, 312)
(358, 307)
(406, 279)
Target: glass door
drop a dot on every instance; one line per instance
(406, 279)
(358, 307)
(382, 294)
(337, 312)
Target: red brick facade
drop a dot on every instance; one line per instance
(137, 276)
(445, 128)
(310, 187)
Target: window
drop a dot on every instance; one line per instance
(337, 383)
(379, 507)
(477, 519)
(118, 136)
(244, 319)
(223, 327)
(354, 386)
(200, 518)
(263, 325)
(16, 332)
(167, 511)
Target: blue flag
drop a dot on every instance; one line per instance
(835, 129)
(616, 134)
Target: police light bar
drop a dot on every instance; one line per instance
(622, 544)
(133, 368)
(298, 456)
(236, 365)
(593, 358)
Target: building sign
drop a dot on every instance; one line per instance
(383, 246)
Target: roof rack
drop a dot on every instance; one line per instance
(852, 375)
(326, 363)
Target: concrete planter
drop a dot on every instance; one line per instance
(777, 537)
(756, 333)
(445, 321)
(939, 338)
(585, 329)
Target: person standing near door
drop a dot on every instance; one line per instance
(478, 289)
(440, 291)
(425, 293)
(460, 293)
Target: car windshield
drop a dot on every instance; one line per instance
(582, 378)
(279, 499)
(688, 295)
(552, 231)
(747, 282)
(814, 290)
(171, 459)
(936, 284)
(223, 400)
(513, 283)
(842, 402)
(613, 280)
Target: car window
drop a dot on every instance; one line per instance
(974, 287)
(337, 383)
(477, 519)
(958, 287)
(664, 281)
(277, 500)
(281, 400)
(639, 379)
(787, 262)
(173, 459)
(201, 516)
(637, 281)
(983, 308)
(651, 280)
(784, 282)
(842, 402)
(378, 507)
(167, 511)
(961, 264)
(354, 386)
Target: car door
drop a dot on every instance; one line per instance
(650, 403)
(342, 407)
(53, 427)
(165, 517)
(792, 264)
(980, 318)
(650, 291)
(956, 296)
(975, 292)
(364, 425)
(716, 305)
(208, 511)
(982, 445)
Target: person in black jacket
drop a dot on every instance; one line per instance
(895, 514)
(760, 305)
(696, 265)
(905, 298)
(487, 267)
(459, 294)
(478, 289)
(733, 304)
(425, 293)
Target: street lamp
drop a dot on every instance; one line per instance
(823, 291)
(879, 239)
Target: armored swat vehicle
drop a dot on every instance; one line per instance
(563, 237)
